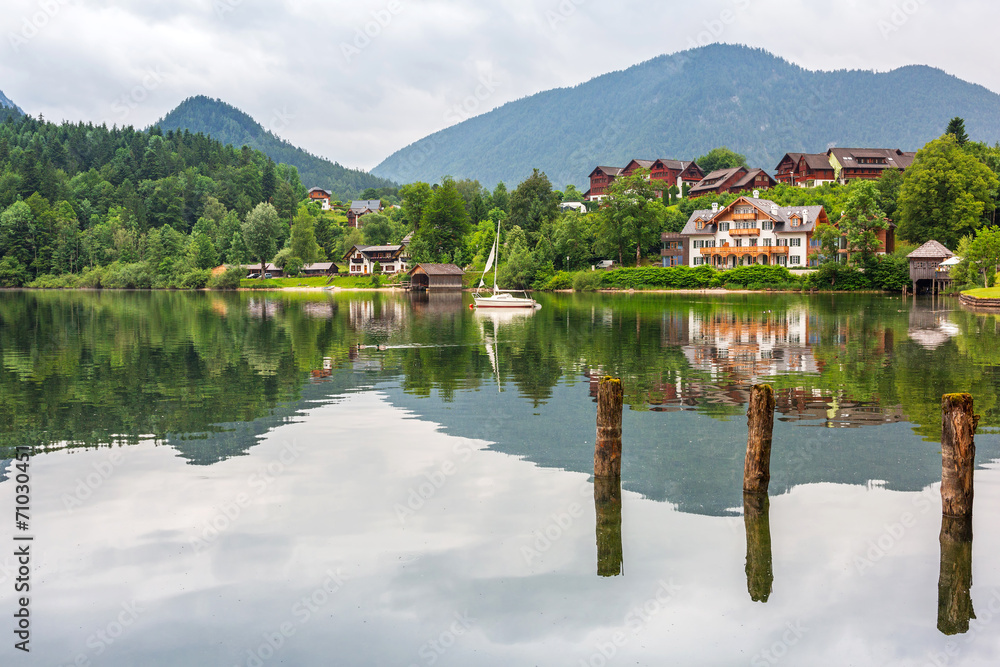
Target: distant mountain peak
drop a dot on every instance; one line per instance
(230, 125)
(681, 105)
(6, 103)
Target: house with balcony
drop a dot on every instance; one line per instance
(866, 163)
(600, 180)
(674, 249)
(752, 230)
(321, 197)
(361, 260)
(361, 208)
(735, 179)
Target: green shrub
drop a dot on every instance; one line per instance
(91, 277)
(127, 276)
(227, 280)
(12, 272)
(834, 276)
(758, 276)
(561, 280)
(588, 281)
(195, 279)
(675, 277)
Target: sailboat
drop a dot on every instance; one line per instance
(499, 298)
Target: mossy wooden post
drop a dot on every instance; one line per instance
(955, 580)
(608, 505)
(958, 454)
(760, 424)
(608, 451)
(756, 519)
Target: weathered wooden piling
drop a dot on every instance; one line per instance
(608, 450)
(756, 519)
(760, 424)
(608, 505)
(958, 454)
(955, 580)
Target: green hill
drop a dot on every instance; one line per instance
(682, 105)
(229, 125)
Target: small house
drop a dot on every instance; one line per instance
(925, 266)
(361, 260)
(435, 277)
(361, 208)
(320, 196)
(319, 269)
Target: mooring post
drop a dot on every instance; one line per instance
(760, 424)
(955, 579)
(756, 519)
(608, 507)
(958, 454)
(608, 450)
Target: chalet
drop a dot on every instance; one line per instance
(391, 259)
(600, 180)
(752, 231)
(784, 172)
(676, 172)
(435, 277)
(736, 179)
(813, 170)
(362, 208)
(718, 181)
(866, 163)
(321, 196)
(925, 266)
(674, 250)
(631, 167)
(319, 269)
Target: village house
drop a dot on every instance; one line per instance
(436, 277)
(360, 208)
(391, 259)
(785, 171)
(927, 266)
(734, 179)
(674, 250)
(752, 231)
(600, 180)
(866, 163)
(321, 196)
(676, 172)
(319, 269)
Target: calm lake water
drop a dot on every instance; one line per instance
(366, 479)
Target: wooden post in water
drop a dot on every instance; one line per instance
(955, 580)
(958, 454)
(760, 424)
(608, 505)
(756, 519)
(608, 450)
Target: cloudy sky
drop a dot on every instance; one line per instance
(355, 81)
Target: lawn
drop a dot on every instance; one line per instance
(984, 293)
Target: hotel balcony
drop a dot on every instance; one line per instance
(744, 216)
(744, 232)
(726, 251)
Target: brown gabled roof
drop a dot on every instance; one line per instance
(817, 161)
(930, 250)
(439, 269)
(794, 157)
(610, 171)
(712, 181)
(750, 177)
(645, 164)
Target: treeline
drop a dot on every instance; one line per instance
(79, 196)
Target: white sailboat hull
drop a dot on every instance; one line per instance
(503, 300)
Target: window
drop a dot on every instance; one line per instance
(767, 225)
(768, 242)
(795, 221)
(699, 224)
(738, 243)
(723, 226)
(795, 243)
(794, 259)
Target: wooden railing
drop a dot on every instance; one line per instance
(725, 251)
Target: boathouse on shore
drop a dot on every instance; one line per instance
(436, 277)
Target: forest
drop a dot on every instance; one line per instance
(89, 206)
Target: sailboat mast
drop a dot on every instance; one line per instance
(496, 269)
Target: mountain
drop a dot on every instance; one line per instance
(682, 105)
(7, 107)
(229, 125)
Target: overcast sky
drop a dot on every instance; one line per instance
(355, 81)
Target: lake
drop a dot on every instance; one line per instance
(377, 479)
